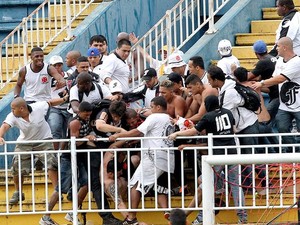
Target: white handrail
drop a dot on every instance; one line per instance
(175, 29)
(41, 28)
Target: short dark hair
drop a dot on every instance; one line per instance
(241, 74)
(177, 217)
(82, 59)
(36, 49)
(85, 77)
(118, 108)
(110, 168)
(193, 79)
(98, 38)
(216, 73)
(198, 61)
(161, 101)
(288, 3)
(131, 113)
(85, 107)
(123, 42)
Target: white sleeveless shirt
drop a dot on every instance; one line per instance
(37, 85)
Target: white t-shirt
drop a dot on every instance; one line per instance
(158, 125)
(289, 91)
(37, 85)
(226, 62)
(116, 69)
(37, 128)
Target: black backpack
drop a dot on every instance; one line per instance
(251, 98)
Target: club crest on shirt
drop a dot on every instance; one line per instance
(44, 79)
(289, 94)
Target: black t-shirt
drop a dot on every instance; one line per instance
(218, 122)
(265, 67)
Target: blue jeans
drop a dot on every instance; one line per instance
(272, 108)
(284, 124)
(58, 121)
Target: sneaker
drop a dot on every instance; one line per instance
(130, 222)
(39, 166)
(167, 215)
(69, 217)
(15, 198)
(111, 220)
(241, 221)
(197, 222)
(47, 221)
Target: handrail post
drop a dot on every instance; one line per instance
(211, 24)
(74, 180)
(207, 197)
(68, 21)
(25, 40)
(168, 32)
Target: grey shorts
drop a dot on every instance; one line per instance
(25, 159)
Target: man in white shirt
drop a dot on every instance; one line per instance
(115, 67)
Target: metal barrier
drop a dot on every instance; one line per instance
(50, 20)
(273, 163)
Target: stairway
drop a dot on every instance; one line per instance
(14, 60)
(260, 30)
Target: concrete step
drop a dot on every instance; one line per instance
(245, 52)
(59, 23)
(265, 26)
(75, 8)
(250, 38)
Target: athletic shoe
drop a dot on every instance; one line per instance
(197, 222)
(130, 222)
(15, 198)
(69, 217)
(111, 220)
(47, 221)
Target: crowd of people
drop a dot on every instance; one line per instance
(94, 99)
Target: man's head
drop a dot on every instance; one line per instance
(122, 35)
(37, 57)
(176, 63)
(57, 62)
(158, 104)
(224, 48)
(19, 107)
(84, 82)
(284, 6)
(177, 81)
(71, 58)
(196, 65)
(83, 64)
(194, 84)
(132, 118)
(164, 52)
(260, 48)
(85, 110)
(166, 90)
(177, 217)
(123, 49)
(211, 103)
(93, 55)
(117, 110)
(99, 42)
(285, 47)
(150, 77)
(216, 76)
(241, 74)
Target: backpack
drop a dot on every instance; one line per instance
(251, 98)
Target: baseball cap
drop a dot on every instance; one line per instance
(260, 47)
(93, 52)
(174, 77)
(224, 47)
(115, 86)
(149, 73)
(175, 60)
(56, 59)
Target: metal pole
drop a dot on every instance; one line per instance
(168, 32)
(68, 21)
(25, 44)
(74, 180)
(211, 29)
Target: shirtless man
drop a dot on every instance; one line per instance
(176, 105)
(199, 92)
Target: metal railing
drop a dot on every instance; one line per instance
(49, 23)
(283, 165)
(174, 30)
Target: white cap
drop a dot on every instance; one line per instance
(224, 47)
(175, 60)
(56, 59)
(115, 86)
